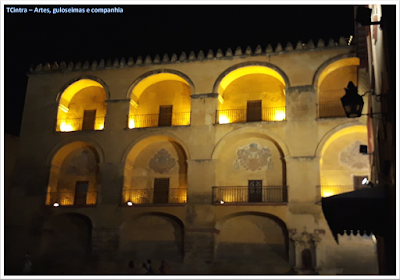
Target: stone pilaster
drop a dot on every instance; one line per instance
(117, 114)
(111, 182)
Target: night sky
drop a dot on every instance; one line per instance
(34, 38)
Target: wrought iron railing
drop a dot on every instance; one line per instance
(75, 124)
(153, 120)
(152, 196)
(333, 109)
(329, 190)
(272, 194)
(71, 198)
(243, 115)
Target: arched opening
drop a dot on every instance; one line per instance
(82, 106)
(155, 236)
(250, 169)
(251, 93)
(65, 245)
(252, 243)
(74, 176)
(331, 84)
(155, 172)
(160, 99)
(342, 167)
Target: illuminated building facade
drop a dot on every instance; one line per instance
(214, 163)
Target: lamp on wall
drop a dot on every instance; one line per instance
(353, 103)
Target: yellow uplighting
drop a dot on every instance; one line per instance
(351, 61)
(66, 127)
(246, 71)
(326, 194)
(74, 88)
(131, 123)
(64, 108)
(99, 126)
(223, 119)
(280, 115)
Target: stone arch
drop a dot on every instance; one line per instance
(79, 138)
(179, 77)
(74, 165)
(341, 163)
(260, 132)
(96, 81)
(77, 97)
(332, 64)
(65, 244)
(258, 237)
(151, 158)
(160, 98)
(330, 80)
(272, 70)
(336, 132)
(152, 235)
(249, 154)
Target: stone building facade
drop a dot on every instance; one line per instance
(214, 163)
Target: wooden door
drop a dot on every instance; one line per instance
(165, 116)
(89, 118)
(255, 190)
(161, 190)
(357, 182)
(254, 110)
(81, 189)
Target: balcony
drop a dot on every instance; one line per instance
(329, 190)
(76, 124)
(244, 115)
(331, 110)
(71, 198)
(156, 120)
(270, 194)
(154, 196)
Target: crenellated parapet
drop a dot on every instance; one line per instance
(183, 58)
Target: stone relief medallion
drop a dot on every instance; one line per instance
(253, 157)
(352, 157)
(162, 162)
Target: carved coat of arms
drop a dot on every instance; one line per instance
(253, 157)
(162, 162)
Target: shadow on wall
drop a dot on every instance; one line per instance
(65, 246)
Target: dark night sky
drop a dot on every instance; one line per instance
(148, 30)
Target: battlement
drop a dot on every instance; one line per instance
(183, 58)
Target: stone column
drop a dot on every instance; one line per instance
(111, 182)
(117, 114)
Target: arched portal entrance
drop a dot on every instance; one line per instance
(155, 236)
(252, 243)
(66, 245)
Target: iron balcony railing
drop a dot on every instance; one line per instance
(71, 198)
(270, 194)
(245, 115)
(329, 190)
(333, 109)
(153, 120)
(76, 124)
(154, 196)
